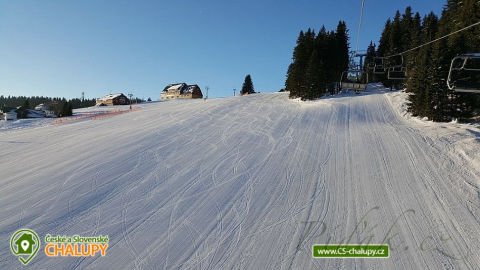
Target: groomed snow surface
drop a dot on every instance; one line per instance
(248, 183)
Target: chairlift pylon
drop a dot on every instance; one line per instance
(353, 76)
(464, 73)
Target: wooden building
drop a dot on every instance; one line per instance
(113, 99)
(181, 90)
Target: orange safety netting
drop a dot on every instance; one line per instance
(93, 116)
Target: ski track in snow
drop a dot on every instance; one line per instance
(247, 183)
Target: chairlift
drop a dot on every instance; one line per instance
(396, 68)
(354, 75)
(464, 73)
(351, 79)
(397, 73)
(396, 61)
(378, 65)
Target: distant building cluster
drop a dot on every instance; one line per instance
(181, 90)
(59, 108)
(171, 91)
(40, 111)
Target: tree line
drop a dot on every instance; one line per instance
(427, 67)
(60, 106)
(318, 62)
(319, 59)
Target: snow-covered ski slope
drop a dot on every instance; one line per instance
(247, 183)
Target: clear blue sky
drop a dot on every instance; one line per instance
(61, 48)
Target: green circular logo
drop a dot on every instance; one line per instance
(25, 244)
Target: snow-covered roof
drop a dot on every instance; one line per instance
(110, 96)
(175, 87)
(41, 107)
(190, 88)
(181, 88)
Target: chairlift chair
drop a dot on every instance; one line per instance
(371, 65)
(396, 68)
(464, 73)
(379, 65)
(351, 79)
(397, 73)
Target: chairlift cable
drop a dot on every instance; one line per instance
(359, 25)
(435, 40)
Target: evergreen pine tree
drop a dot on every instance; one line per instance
(69, 109)
(395, 41)
(384, 44)
(315, 76)
(342, 48)
(26, 104)
(294, 73)
(407, 28)
(420, 82)
(247, 87)
(384, 49)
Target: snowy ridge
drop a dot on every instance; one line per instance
(246, 183)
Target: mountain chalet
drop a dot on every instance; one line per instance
(181, 90)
